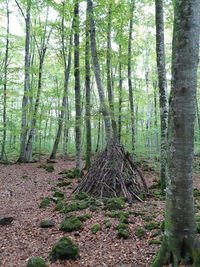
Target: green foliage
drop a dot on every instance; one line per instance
(122, 233)
(95, 228)
(147, 218)
(46, 224)
(81, 196)
(36, 262)
(48, 168)
(65, 183)
(59, 194)
(121, 226)
(64, 249)
(152, 225)
(139, 232)
(72, 174)
(114, 203)
(70, 224)
(84, 217)
(107, 223)
(45, 202)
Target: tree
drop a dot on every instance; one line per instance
(180, 244)
(162, 84)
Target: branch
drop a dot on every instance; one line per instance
(20, 9)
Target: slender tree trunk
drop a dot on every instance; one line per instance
(24, 124)
(148, 123)
(155, 116)
(67, 66)
(130, 88)
(180, 245)
(104, 107)
(162, 84)
(3, 152)
(109, 79)
(98, 134)
(87, 87)
(120, 94)
(77, 85)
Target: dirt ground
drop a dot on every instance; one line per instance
(22, 186)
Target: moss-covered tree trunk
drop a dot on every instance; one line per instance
(180, 245)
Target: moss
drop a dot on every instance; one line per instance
(198, 227)
(196, 193)
(71, 207)
(65, 183)
(72, 174)
(117, 214)
(95, 228)
(81, 196)
(48, 168)
(158, 195)
(24, 176)
(136, 213)
(139, 232)
(46, 224)
(64, 249)
(70, 224)
(162, 226)
(197, 218)
(45, 202)
(115, 203)
(121, 226)
(93, 208)
(152, 225)
(84, 217)
(36, 262)
(155, 242)
(59, 194)
(107, 223)
(122, 233)
(60, 205)
(83, 205)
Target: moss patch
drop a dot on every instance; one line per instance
(107, 223)
(46, 224)
(115, 203)
(64, 249)
(59, 194)
(155, 242)
(84, 217)
(65, 183)
(122, 233)
(152, 225)
(45, 202)
(70, 224)
(139, 232)
(121, 226)
(81, 196)
(48, 168)
(95, 228)
(36, 262)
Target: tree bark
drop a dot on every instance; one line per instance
(180, 245)
(96, 67)
(3, 152)
(67, 67)
(77, 86)
(130, 87)
(162, 84)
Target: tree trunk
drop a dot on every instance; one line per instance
(104, 108)
(24, 125)
(109, 79)
(180, 245)
(162, 84)
(67, 66)
(130, 88)
(77, 86)
(120, 94)
(3, 152)
(87, 88)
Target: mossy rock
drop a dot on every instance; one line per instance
(121, 226)
(115, 203)
(84, 217)
(59, 194)
(81, 196)
(62, 184)
(122, 233)
(140, 232)
(45, 202)
(64, 249)
(70, 224)
(95, 228)
(48, 168)
(46, 224)
(155, 242)
(36, 262)
(152, 225)
(107, 223)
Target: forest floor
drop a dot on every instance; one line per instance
(23, 186)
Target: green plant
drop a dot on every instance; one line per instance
(46, 224)
(36, 262)
(139, 232)
(122, 233)
(70, 224)
(45, 202)
(95, 228)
